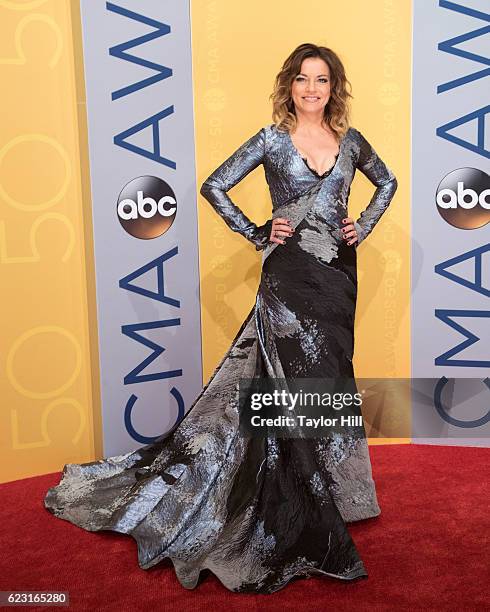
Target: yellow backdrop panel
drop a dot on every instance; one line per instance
(236, 55)
(49, 381)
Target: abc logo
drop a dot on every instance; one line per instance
(146, 207)
(463, 198)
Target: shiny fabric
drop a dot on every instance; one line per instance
(257, 511)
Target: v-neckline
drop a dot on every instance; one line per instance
(313, 172)
(327, 171)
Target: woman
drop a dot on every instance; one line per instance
(258, 511)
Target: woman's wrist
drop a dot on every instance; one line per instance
(359, 232)
(262, 235)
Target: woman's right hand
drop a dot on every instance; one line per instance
(281, 228)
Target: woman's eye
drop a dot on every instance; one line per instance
(321, 79)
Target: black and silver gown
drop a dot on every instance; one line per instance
(257, 511)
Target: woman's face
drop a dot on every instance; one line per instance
(310, 89)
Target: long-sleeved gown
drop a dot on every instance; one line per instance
(257, 511)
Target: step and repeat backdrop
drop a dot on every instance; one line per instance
(122, 289)
(450, 208)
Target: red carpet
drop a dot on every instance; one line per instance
(427, 551)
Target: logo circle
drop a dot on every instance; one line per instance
(146, 207)
(463, 198)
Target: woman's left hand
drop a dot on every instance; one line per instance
(349, 233)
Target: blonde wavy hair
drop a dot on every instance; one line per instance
(336, 110)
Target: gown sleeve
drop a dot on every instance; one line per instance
(372, 166)
(247, 157)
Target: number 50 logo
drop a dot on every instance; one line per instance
(146, 207)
